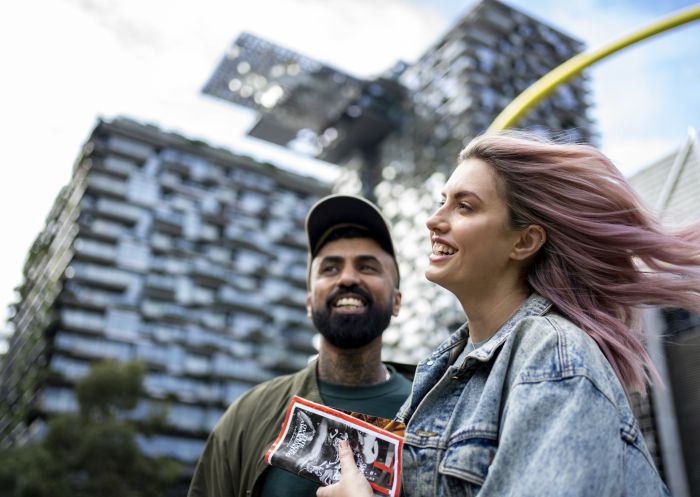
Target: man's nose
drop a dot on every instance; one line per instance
(348, 277)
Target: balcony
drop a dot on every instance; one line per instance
(119, 165)
(211, 319)
(100, 183)
(281, 292)
(159, 241)
(102, 276)
(160, 286)
(154, 309)
(108, 229)
(295, 239)
(201, 339)
(164, 333)
(134, 149)
(210, 273)
(143, 190)
(58, 400)
(83, 321)
(285, 316)
(98, 251)
(243, 301)
(242, 369)
(95, 349)
(169, 222)
(153, 355)
(184, 449)
(69, 368)
(119, 210)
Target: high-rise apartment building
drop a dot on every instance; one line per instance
(162, 249)
(398, 135)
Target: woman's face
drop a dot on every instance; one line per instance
(470, 236)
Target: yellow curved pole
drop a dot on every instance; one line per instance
(544, 86)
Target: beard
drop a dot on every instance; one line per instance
(351, 331)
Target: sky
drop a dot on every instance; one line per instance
(66, 63)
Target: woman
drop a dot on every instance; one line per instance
(550, 254)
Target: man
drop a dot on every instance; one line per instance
(353, 291)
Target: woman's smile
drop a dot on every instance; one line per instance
(441, 250)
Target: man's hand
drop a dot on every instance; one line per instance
(352, 483)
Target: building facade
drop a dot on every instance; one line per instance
(454, 92)
(165, 250)
(670, 188)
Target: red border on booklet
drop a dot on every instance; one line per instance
(346, 417)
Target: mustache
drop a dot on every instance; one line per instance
(349, 290)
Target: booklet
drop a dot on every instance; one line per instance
(308, 445)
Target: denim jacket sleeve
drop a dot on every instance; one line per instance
(557, 438)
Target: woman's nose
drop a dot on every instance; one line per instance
(436, 222)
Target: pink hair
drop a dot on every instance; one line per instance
(605, 254)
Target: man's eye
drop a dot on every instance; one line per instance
(367, 268)
(329, 270)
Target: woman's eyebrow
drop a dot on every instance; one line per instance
(466, 193)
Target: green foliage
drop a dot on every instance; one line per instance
(110, 388)
(93, 453)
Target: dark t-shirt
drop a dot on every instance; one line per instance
(383, 399)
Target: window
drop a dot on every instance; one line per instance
(70, 368)
(133, 255)
(122, 324)
(197, 364)
(184, 449)
(59, 400)
(143, 189)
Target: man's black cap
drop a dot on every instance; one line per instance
(340, 211)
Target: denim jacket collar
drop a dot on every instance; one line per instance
(534, 305)
(434, 366)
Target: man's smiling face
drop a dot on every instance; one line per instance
(352, 293)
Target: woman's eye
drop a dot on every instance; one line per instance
(465, 207)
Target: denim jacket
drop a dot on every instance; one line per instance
(535, 411)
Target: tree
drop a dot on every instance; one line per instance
(93, 452)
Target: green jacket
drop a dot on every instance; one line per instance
(232, 462)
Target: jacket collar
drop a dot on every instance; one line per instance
(534, 305)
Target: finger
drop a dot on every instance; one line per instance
(325, 491)
(347, 460)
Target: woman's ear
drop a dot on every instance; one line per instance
(529, 241)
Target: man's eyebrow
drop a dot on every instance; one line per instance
(367, 258)
(336, 259)
(331, 258)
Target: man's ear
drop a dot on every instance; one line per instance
(396, 304)
(308, 304)
(529, 241)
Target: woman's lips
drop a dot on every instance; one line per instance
(441, 250)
